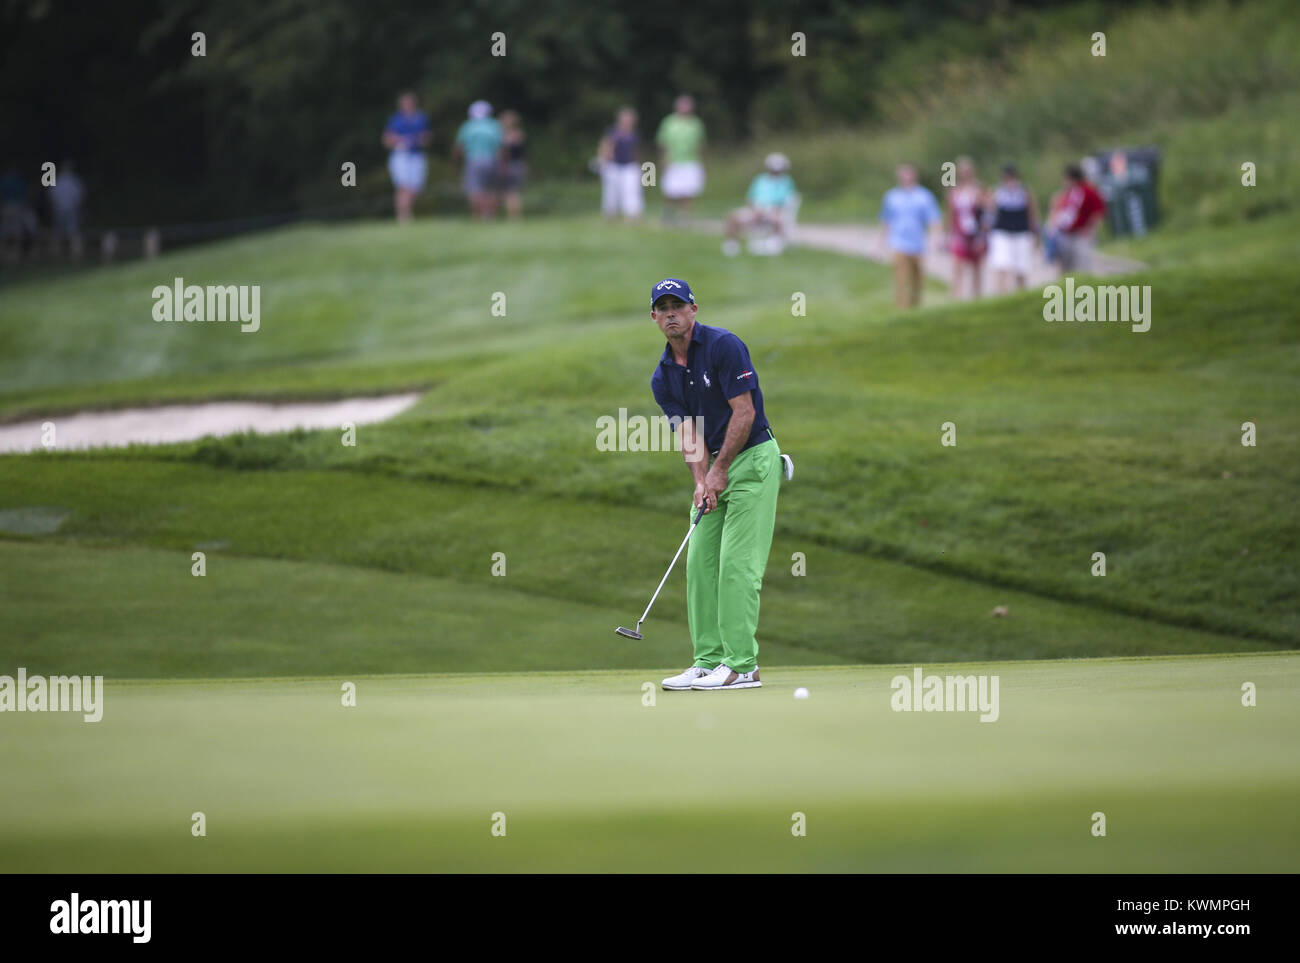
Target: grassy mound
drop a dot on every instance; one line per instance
(1071, 440)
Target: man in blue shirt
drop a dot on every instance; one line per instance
(908, 212)
(407, 135)
(706, 373)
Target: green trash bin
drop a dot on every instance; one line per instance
(1127, 180)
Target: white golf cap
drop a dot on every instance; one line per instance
(777, 162)
(480, 109)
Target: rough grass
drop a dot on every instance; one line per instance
(1071, 439)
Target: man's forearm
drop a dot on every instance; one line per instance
(737, 434)
(699, 469)
(693, 451)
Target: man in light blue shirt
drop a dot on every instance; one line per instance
(478, 141)
(768, 202)
(908, 212)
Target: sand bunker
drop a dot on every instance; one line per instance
(171, 423)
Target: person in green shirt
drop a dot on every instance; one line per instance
(681, 144)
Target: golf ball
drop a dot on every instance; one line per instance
(801, 693)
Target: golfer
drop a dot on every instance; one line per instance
(706, 372)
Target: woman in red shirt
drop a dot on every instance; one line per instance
(1076, 211)
(967, 241)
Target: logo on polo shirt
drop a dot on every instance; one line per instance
(707, 382)
(744, 375)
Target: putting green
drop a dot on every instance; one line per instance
(588, 777)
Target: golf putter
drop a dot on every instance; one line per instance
(636, 633)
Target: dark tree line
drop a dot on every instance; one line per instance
(290, 89)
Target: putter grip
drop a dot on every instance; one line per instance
(698, 516)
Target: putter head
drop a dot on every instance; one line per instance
(627, 632)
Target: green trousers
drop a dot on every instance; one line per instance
(726, 558)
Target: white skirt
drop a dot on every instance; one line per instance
(683, 180)
(1011, 251)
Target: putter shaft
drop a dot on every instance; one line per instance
(698, 516)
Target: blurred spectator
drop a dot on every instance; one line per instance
(478, 141)
(765, 204)
(681, 141)
(67, 194)
(17, 219)
(908, 211)
(1127, 183)
(407, 135)
(967, 242)
(511, 164)
(1076, 211)
(1014, 212)
(620, 168)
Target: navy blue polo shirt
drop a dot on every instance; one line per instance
(717, 369)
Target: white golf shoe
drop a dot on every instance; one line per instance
(725, 678)
(685, 680)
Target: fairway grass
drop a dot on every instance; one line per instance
(588, 777)
(1070, 441)
(139, 613)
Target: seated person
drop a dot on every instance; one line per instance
(765, 204)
